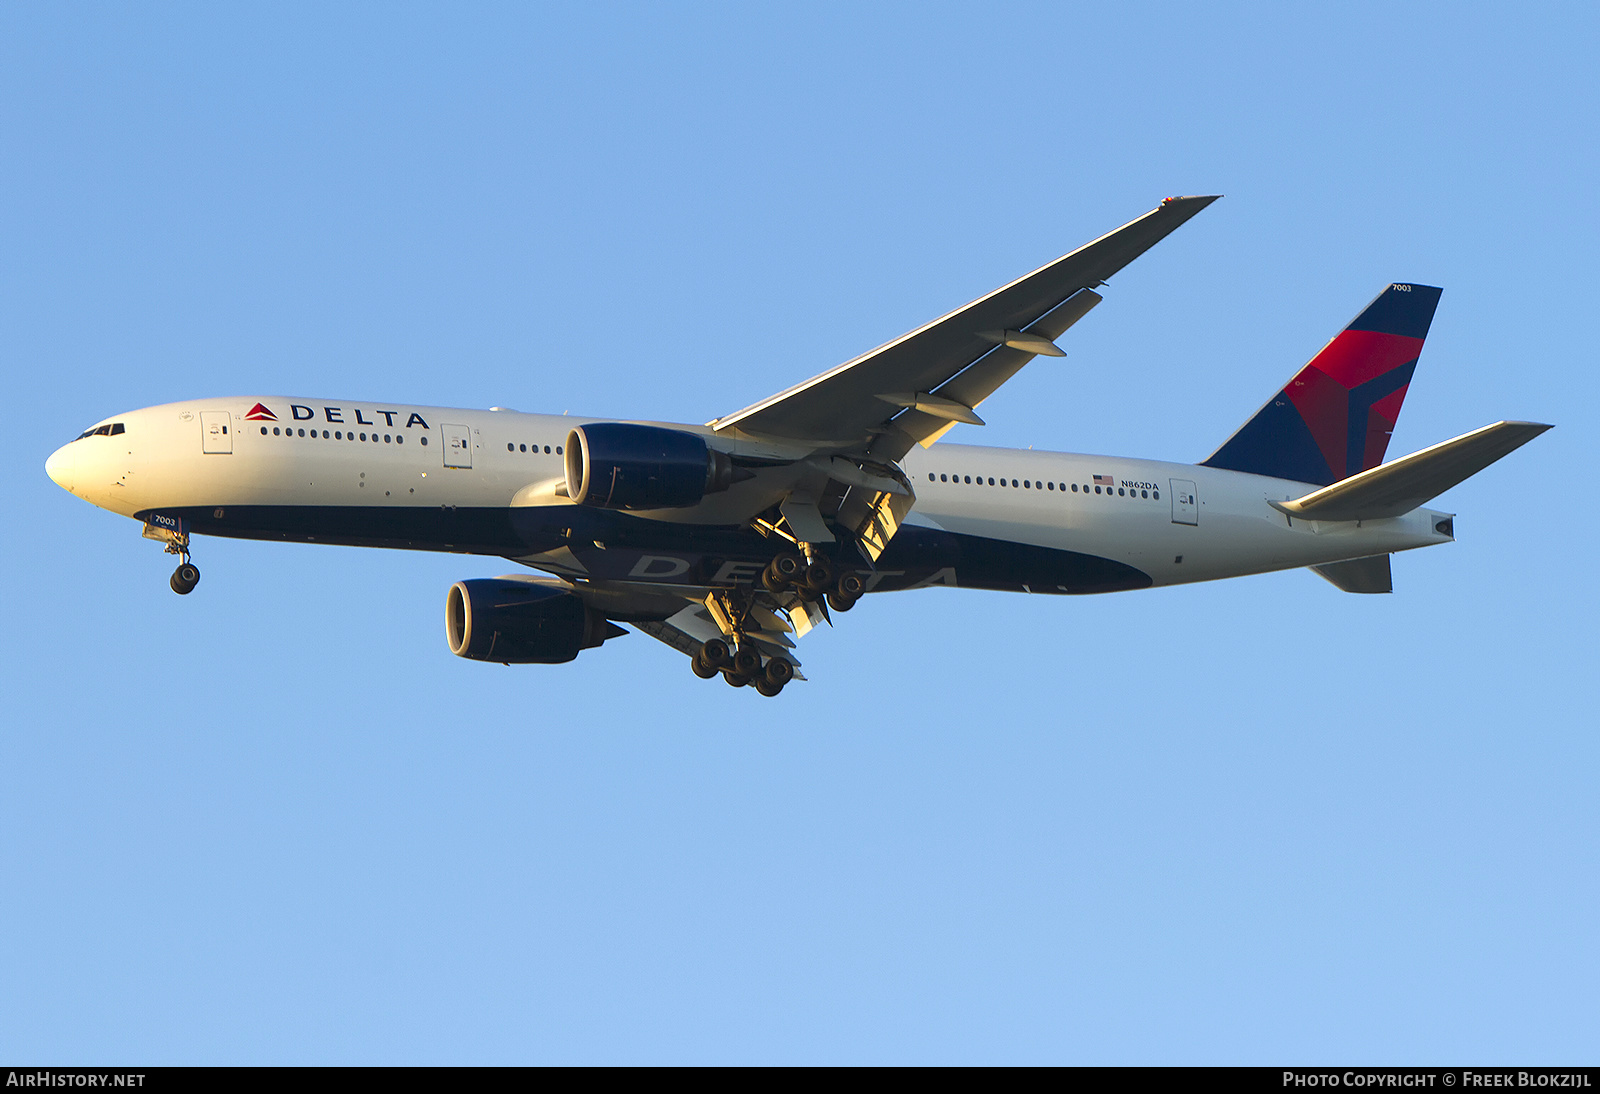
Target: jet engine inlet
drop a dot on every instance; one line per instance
(613, 465)
(520, 622)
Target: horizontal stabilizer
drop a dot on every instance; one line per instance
(1396, 488)
(1359, 575)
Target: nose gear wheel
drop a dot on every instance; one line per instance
(187, 575)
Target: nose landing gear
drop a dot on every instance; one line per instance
(175, 534)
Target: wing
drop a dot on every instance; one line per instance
(913, 389)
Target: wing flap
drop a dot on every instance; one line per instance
(981, 379)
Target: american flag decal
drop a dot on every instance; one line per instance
(1103, 480)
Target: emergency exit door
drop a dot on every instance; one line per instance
(457, 445)
(1185, 506)
(216, 436)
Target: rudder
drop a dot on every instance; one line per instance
(1333, 420)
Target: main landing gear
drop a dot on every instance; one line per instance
(742, 667)
(789, 577)
(813, 581)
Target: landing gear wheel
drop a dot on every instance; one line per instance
(185, 578)
(701, 669)
(845, 592)
(779, 672)
(782, 572)
(820, 575)
(767, 687)
(747, 662)
(735, 679)
(714, 654)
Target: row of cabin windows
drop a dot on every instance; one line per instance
(111, 430)
(1033, 484)
(339, 435)
(535, 449)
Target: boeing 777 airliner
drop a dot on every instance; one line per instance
(729, 540)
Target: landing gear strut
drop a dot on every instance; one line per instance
(187, 575)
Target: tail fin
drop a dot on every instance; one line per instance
(1334, 418)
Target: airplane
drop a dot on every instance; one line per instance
(730, 540)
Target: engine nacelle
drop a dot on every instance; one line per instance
(520, 622)
(613, 465)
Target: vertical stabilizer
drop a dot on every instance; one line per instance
(1333, 420)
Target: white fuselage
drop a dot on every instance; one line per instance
(1174, 522)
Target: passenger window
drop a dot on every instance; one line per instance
(424, 440)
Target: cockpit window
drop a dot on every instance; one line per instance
(111, 430)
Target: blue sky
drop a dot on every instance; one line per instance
(1256, 821)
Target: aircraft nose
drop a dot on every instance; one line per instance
(59, 466)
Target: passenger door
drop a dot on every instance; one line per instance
(1185, 505)
(216, 436)
(457, 445)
